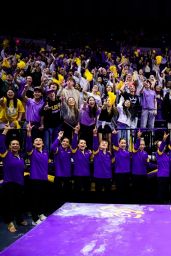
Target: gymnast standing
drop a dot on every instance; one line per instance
(62, 158)
(81, 156)
(122, 166)
(102, 164)
(163, 173)
(140, 162)
(13, 184)
(38, 176)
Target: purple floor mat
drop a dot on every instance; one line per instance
(78, 229)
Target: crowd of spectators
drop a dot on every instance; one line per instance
(57, 88)
(82, 105)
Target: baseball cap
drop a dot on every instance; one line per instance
(49, 91)
(38, 88)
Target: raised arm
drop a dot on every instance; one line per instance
(75, 139)
(95, 142)
(3, 148)
(23, 94)
(29, 145)
(115, 142)
(56, 143)
(137, 143)
(163, 144)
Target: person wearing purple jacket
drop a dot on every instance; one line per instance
(38, 176)
(163, 173)
(149, 105)
(89, 112)
(33, 108)
(62, 159)
(122, 167)
(139, 170)
(81, 156)
(13, 181)
(102, 164)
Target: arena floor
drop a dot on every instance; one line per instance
(99, 229)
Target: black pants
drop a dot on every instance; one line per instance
(63, 184)
(122, 181)
(103, 185)
(163, 186)
(139, 188)
(81, 188)
(38, 197)
(82, 183)
(13, 202)
(62, 189)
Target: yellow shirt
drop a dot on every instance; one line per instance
(10, 112)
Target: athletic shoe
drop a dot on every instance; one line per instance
(42, 217)
(35, 223)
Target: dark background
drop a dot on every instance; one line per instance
(94, 19)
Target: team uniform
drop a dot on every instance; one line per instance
(102, 167)
(38, 179)
(122, 167)
(163, 173)
(13, 183)
(81, 170)
(139, 167)
(62, 161)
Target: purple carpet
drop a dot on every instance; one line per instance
(99, 229)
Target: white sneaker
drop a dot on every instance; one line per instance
(35, 223)
(42, 217)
